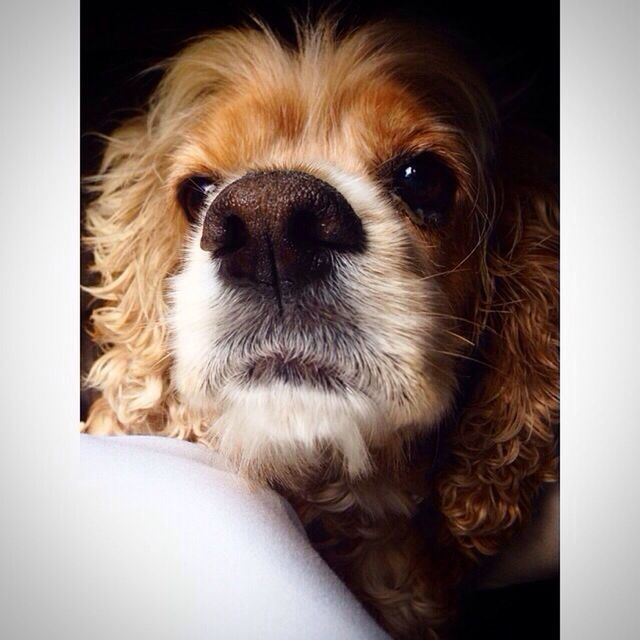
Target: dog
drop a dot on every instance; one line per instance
(327, 261)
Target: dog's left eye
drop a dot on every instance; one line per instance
(427, 186)
(192, 192)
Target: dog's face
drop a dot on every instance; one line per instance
(332, 270)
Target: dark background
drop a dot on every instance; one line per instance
(515, 45)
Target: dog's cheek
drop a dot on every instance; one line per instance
(192, 324)
(399, 304)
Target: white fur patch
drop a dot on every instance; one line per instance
(258, 420)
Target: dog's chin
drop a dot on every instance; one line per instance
(279, 430)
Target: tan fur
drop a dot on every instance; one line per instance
(484, 289)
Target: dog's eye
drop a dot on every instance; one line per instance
(192, 193)
(427, 186)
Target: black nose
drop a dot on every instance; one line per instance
(279, 229)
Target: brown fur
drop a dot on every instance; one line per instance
(240, 99)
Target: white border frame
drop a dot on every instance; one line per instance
(39, 318)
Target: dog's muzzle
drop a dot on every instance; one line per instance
(279, 230)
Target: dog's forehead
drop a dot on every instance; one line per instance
(354, 122)
(246, 100)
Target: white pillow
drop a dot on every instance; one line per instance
(176, 546)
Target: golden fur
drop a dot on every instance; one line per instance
(402, 521)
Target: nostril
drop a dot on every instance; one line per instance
(303, 228)
(225, 236)
(235, 234)
(333, 226)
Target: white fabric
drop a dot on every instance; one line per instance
(174, 545)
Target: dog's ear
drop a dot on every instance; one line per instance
(133, 234)
(504, 444)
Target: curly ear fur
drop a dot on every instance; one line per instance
(133, 251)
(504, 444)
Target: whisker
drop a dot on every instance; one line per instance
(457, 335)
(470, 358)
(508, 302)
(477, 325)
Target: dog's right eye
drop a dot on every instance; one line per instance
(192, 193)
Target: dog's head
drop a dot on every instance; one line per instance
(295, 245)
